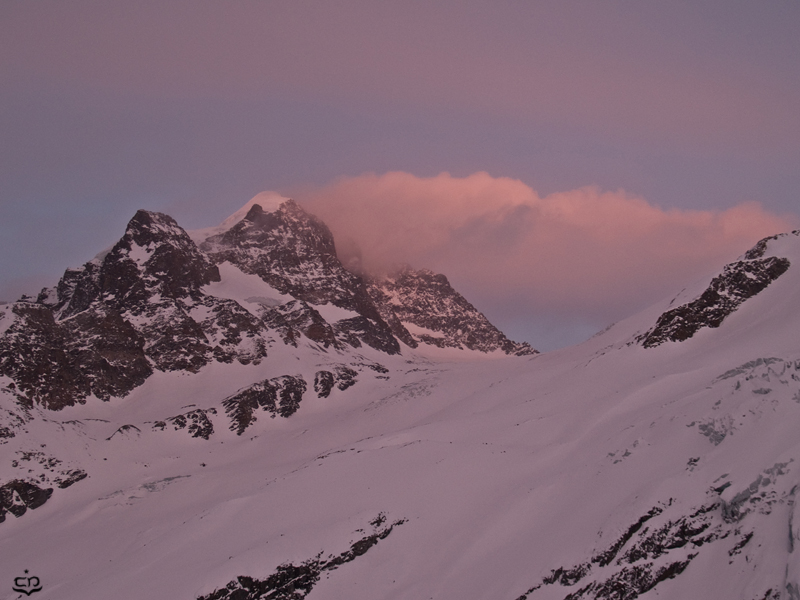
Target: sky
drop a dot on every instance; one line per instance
(563, 163)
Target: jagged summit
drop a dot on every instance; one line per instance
(159, 301)
(267, 200)
(287, 248)
(434, 313)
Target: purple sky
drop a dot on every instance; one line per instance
(191, 108)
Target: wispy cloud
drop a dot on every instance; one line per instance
(585, 251)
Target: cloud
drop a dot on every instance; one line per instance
(593, 254)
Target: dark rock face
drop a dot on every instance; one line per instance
(760, 248)
(196, 422)
(294, 252)
(372, 333)
(297, 318)
(427, 300)
(126, 431)
(291, 250)
(737, 282)
(278, 396)
(17, 496)
(295, 582)
(342, 377)
(57, 364)
(323, 383)
(155, 257)
(609, 576)
(108, 324)
(70, 477)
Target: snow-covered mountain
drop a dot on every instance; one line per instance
(161, 301)
(230, 414)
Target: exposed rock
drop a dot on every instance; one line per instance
(231, 331)
(295, 582)
(371, 332)
(296, 318)
(6, 433)
(70, 477)
(142, 306)
(278, 396)
(17, 496)
(427, 300)
(289, 249)
(726, 292)
(58, 364)
(662, 542)
(109, 351)
(196, 422)
(760, 248)
(107, 324)
(155, 257)
(323, 383)
(126, 431)
(342, 377)
(294, 252)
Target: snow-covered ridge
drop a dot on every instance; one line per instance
(738, 282)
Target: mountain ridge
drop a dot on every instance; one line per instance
(147, 301)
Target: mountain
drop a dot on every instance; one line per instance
(160, 301)
(283, 454)
(430, 311)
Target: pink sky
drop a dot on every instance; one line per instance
(191, 108)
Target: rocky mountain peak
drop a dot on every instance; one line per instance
(289, 249)
(154, 256)
(148, 227)
(156, 252)
(434, 313)
(157, 301)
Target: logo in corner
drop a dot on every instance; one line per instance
(27, 585)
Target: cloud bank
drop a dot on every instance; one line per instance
(591, 254)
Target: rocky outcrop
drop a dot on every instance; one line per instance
(426, 303)
(195, 422)
(18, 495)
(726, 292)
(59, 363)
(296, 319)
(295, 582)
(109, 324)
(341, 377)
(154, 258)
(279, 396)
(662, 542)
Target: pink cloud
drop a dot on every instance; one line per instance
(596, 252)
